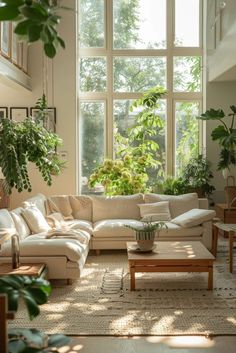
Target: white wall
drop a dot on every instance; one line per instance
(65, 98)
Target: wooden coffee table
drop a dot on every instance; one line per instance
(172, 256)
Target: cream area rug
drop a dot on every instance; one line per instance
(101, 303)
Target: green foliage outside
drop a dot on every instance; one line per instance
(137, 153)
(131, 75)
(36, 20)
(225, 134)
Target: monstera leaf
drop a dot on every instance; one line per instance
(212, 114)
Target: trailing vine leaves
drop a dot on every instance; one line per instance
(36, 20)
(23, 142)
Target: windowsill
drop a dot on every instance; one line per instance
(13, 76)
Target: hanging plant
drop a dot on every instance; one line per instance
(23, 142)
(36, 20)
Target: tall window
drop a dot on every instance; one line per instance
(125, 48)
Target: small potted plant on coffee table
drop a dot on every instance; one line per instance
(145, 233)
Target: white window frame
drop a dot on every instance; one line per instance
(170, 52)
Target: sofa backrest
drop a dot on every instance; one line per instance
(116, 207)
(38, 200)
(82, 207)
(178, 204)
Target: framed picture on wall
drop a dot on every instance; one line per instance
(6, 39)
(18, 113)
(3, 113)
(47, 117)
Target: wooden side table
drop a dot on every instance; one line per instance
(230, 229)
(226, 214)
(34, 270)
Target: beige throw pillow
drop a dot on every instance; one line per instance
(157, 211)
(35, 219)
(194, 218)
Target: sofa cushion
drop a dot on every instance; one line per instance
(21, 226)
(38, 200)
(60, 204)
(178, 204)
(35, 219)
(114, 228)
(80, 224)
(116, 207)
(194, 217)
(38, 245)
(156, 211)
(82, 207)
(7, 225)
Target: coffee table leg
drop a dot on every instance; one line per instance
(210, 277)
(132, 277)
(231, 243)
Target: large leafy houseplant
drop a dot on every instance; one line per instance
(36, 20)
(24, 142)
(34, 292)
(225, 134)
(137, 153)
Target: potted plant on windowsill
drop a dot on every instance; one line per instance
(145, 233)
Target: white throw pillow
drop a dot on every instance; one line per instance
(193, 218)
(35, 219)
(157, 211)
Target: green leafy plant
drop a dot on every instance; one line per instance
(36, 20)
(171, 186)
(197, 175)
(148, 226)
(137, 154)
(25, 142)
(34, 292)
(225, 134)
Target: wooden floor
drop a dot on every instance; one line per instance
(181, 344)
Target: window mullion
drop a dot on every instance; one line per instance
(109, 46)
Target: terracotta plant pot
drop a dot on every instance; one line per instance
(145, 239)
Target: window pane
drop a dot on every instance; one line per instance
(91, 23)
(139, 24)
(186, 133)
(92, 118)
(93, 74)
(187, 74)
(138, 74)
(187, 23)
(124, 119)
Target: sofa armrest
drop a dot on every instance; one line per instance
(203, 203)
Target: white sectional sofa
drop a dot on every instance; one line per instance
(100, 222)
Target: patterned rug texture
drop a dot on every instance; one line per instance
(101, 303)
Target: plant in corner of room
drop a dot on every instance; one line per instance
(36, 20)
(33, 292)
(225, 134)
(137, 153)
(24, 142)
(197, 175)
